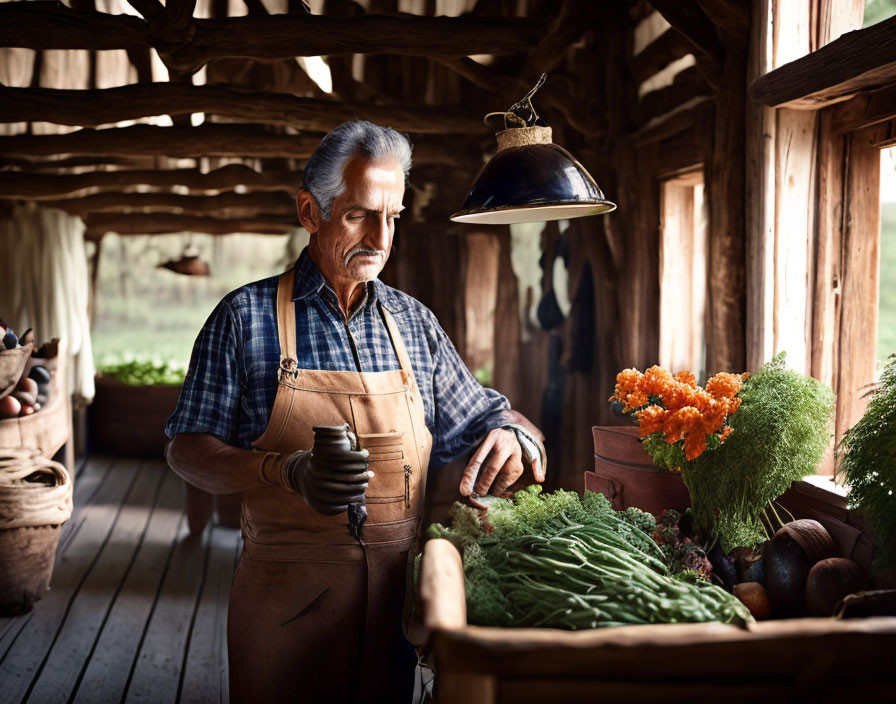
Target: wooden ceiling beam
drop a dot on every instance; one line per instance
(75, 162)
(208, 140)
(150, 140)
(662, 51)
(98, 224)
(229, 202)
(92, 108)
(43, 186)
(688, 18)
(187, 47)
(859, 60)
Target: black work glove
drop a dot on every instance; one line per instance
(333, 474)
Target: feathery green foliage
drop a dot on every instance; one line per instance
(555, 560)
(867, 456)
(780, 434)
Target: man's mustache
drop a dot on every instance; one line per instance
(364, 250)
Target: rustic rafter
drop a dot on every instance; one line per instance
(689, 20)
(99, 224)
(186, 48)
(92, 108)
(223, 140)
(686, 86)
(269, 202)
(45, 186)
(666, 48)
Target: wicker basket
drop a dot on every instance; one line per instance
(47, 430)
(12, 364)
(35, 500)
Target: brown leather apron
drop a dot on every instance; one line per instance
(314, 616)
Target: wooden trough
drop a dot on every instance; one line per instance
(810, 659)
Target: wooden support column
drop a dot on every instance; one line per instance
(726, 295)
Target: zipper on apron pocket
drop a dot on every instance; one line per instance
(407, 486)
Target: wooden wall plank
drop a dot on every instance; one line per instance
(87, 614)
(760, 198)
(19, 665)
(106, 675)
(860, 266)
(794, 225)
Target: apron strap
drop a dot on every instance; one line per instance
(398, 343)
(286, 318)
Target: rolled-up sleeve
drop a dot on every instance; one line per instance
(465, 411)
(210, 399)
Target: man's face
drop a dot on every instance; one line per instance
(355, 243)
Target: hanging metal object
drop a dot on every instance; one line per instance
(530, 179)
(189, 264)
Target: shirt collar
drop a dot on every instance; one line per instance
(309, 281)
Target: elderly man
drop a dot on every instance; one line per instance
(315, 393)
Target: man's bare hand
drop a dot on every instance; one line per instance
(498, 463)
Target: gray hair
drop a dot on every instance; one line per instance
(323, 175)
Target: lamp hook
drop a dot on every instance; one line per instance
(522, 112)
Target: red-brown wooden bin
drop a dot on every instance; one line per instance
(626, 474)
(812, 659)
(130, 419)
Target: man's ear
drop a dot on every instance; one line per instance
(309, 211)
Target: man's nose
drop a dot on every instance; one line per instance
(378, 236)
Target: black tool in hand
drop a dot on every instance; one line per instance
(336, 449)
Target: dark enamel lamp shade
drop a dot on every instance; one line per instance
(531, 179)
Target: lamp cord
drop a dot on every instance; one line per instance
(521, 112)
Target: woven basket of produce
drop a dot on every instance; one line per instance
(12, 364)
(45, 429)
(35, 500)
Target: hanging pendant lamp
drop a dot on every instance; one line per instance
(530, 179)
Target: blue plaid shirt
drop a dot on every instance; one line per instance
(232, 379)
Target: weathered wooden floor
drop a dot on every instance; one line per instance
(137, 609)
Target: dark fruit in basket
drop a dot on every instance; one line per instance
(755, 598)
(25, 398)
(27, 337)
(722, 566)
(9, 407)
(27, 385)
(10, 340)
(40, 374)
(812, 537)
(745, 560)
(786, 569)
(829, 581)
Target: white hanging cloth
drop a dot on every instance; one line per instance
(44, 285)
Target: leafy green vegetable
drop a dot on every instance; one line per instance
(144, 372)
(780, 433)
(867, 457)
(554, 560)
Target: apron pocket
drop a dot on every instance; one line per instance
(389, 492)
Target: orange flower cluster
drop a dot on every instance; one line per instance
(677, 407)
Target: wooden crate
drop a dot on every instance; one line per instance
(48, 429)
(811, 659)
(129, 419)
